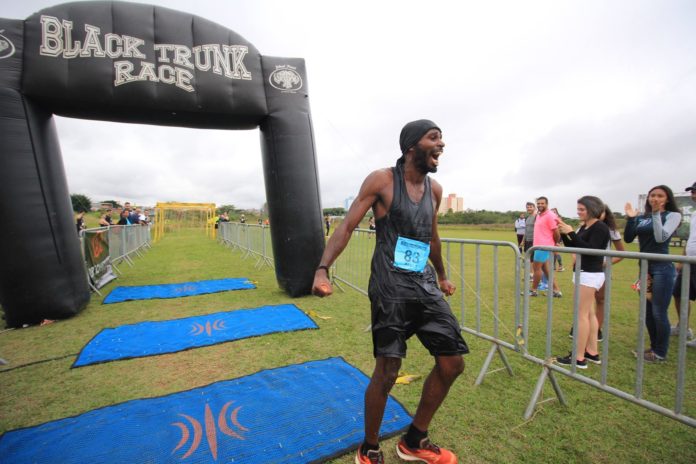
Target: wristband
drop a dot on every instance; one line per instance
(326, 268)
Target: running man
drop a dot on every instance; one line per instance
(406, 294)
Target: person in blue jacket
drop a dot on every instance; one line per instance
(654, 229)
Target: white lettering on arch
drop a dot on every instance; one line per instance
(92, 47)
(173, 63)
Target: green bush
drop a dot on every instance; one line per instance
(80, 202)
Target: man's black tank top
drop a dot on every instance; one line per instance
(410, 220)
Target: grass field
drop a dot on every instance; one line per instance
(481, 424)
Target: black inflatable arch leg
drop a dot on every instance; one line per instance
(41, 272)
(292, 184)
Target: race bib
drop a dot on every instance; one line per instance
(411, 255)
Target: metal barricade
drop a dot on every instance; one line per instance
(495, 314)
(490, 308)
(124, 241)
(250, 239)
(352, 267)
(547, 360)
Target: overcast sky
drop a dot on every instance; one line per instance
(555, 98)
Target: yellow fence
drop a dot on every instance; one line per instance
(205, 213)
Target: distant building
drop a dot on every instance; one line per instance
(451, 202)
(347, 202)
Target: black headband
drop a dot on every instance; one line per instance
(413, 131)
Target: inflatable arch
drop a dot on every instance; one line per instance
(129, 62)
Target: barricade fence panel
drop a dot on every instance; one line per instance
(486, 274)
(549, 328)
(491, 277)
(480, 269)
(124, 241)
(251, 240)
(352, 268)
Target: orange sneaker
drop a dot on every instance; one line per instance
(427, 452)
(372, 457)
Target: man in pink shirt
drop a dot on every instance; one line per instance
(545, 234)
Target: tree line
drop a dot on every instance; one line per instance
(474, 217)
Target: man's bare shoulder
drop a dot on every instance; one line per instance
(382, 174)
(379, 179)
(437, 188)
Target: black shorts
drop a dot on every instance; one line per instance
(527, 246)
(692, 284)
(432, 321)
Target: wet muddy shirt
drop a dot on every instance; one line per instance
(413, 223)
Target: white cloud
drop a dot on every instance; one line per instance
(554, 98)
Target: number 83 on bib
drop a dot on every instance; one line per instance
(411, 255)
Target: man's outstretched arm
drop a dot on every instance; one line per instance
(367, 196)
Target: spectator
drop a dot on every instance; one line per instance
(557, 258)
(606, 217)
(125, 218)
(80, 222)
(654, 229)
(520, 228)
(529, 231)
(327, 223)
(689, 250)
(107, 217)
(103, 221)
(614, 239)
(593, 234)
(142, 219)
(545, 234)
(134, 216)
(242, 219)
(224, 217)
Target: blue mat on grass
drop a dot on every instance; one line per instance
(301, 413)
(151, 338)
(148, 292)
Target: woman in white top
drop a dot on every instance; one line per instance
(520, 226)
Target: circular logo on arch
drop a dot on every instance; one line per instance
(7, 48)
(286, 79)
